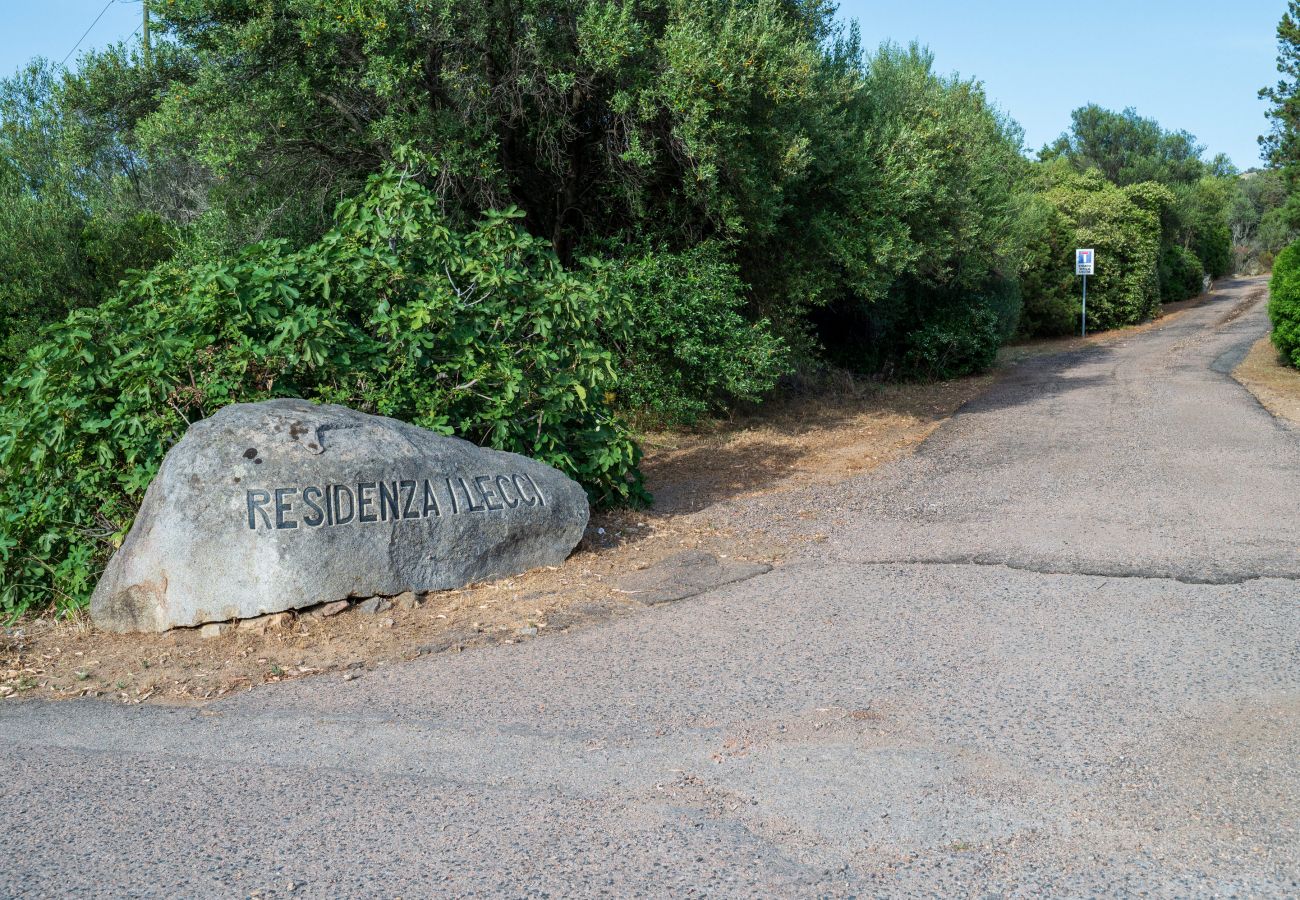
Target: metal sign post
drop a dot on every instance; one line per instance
(1083, 312)
(1083, 265)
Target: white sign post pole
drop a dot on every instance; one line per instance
(1083, 314)
(1083, 265)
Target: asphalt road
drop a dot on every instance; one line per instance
(1053, 653)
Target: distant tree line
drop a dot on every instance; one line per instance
(530, 223)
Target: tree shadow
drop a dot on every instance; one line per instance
(810, 430)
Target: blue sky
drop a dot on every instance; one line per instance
(1192, 64)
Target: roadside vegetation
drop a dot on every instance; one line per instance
(537, 226)
(1283, 147)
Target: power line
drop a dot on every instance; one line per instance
(87, 31)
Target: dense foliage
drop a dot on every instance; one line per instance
(692, 352)
(1282, 143)
(1257, 219)
(1284, 303)
(926, 295)
(479, 333)
(67, 237)
(1123, 226)
(1130, 151)
(1271, 210)
(658, 208)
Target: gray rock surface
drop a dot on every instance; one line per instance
(286, 504)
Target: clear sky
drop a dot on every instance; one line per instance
(50, 28)
(1192, 64)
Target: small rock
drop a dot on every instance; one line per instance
(529, 631)
(387, 623)
(351, 676)
(332, 609)
(263, 624)
(407, 601)
(370, 606)
(215, 629)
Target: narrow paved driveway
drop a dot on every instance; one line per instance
(1054, 652)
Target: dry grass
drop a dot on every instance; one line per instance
(1275, 384)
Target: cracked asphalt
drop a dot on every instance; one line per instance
(1055, 652)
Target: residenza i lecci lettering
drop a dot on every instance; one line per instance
(363, 502)
(284, 504)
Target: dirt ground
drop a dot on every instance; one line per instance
(815, 433)
(1275, 384)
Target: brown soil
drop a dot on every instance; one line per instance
(820, 432)
(1275, 384)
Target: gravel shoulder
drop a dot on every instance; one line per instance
(1275, 384)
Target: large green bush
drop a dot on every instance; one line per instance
(481, 333)
(72, 223)
(1050, 289)
(1181, 275)
(935, 243)
(1284, 303)
(691, 353)
(1123, 226)
(962, 340)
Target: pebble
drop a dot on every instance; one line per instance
(263, 624)
(215, 629)
(331, 609)
(374, 605)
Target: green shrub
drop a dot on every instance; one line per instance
(1048, 285)
(1284, 303)
(1213, 248)
(1051, 315)
(1181, 275)
(691, 353)
(482, 334)
(1123, 226)
(963, 340)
